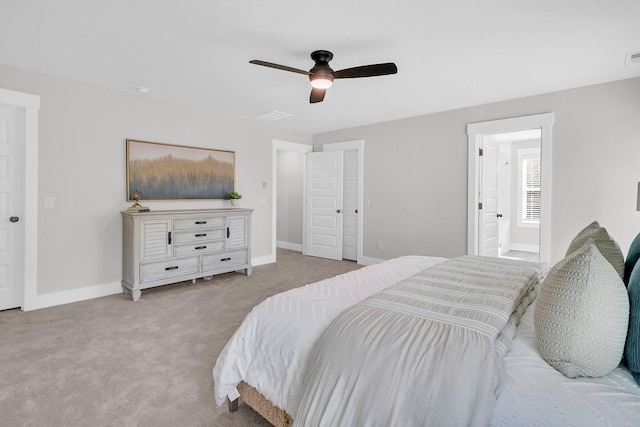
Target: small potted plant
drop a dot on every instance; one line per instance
(234, 197)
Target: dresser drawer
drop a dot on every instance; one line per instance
(196, 223)
(205, 234)
(224, 260)
(171, 268)
(198, 248)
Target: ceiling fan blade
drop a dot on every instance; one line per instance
(317, 95)
(278, 66)
(366, 71)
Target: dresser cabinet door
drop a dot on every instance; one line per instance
(154, 239)
(237, 232)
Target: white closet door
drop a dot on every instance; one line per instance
(324, 195)
(350, 204)
(11, 224)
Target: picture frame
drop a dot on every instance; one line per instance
(163, 171)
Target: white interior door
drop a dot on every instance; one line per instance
(350, 205)
(324, 198)
(489, 191)
(11, 190)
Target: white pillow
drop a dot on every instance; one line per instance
(581, 315)
(607, 246)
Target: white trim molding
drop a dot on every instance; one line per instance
(291, 246)
(365, 260)
(476, 132)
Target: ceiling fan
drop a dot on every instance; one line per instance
(322, 76)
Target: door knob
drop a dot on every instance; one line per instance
(499, 215)
(14, 219)
(338, 211)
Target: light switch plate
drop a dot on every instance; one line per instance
(49, 202)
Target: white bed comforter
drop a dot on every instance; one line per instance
(422, 352)
(535, 394)
(271, 347)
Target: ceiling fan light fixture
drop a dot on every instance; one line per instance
(321, 82)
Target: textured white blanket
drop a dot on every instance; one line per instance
(426, 351)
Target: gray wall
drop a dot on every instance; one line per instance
(415, 170)
(289, 197)
(82, 164)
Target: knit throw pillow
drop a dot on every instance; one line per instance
(608, 247)
(632, 348)
(581, 315)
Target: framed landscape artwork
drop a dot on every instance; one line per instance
(175, 172)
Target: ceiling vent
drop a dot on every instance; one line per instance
(273, 116)
(632, 58)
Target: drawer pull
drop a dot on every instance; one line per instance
(201, 247)
(175, 267)
(226, 259)
(201, 235)
(200, 222)
(228, 232)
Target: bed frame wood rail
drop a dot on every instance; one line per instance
(255, 400)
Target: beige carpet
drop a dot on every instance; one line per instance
(113, 362)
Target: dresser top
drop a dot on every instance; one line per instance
(173, 212)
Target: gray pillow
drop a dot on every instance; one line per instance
(608, 247)
(581, 315)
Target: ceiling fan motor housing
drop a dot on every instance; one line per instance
(322, 70)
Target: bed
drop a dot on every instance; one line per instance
(274, 363)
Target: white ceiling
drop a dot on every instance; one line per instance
(450, 53)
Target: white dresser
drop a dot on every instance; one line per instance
(162, 247)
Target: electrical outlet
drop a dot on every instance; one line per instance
(379, 245)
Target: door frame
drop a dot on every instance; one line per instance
(475, 133)
(279, 145)
(29, 105)
(357, 145)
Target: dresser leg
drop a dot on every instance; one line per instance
(248, 271)
(125, 290)
(136, 295)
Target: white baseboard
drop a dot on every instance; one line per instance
(291, 246)
(363, 260)
(74, 295)
(523, 247)
(262, 260)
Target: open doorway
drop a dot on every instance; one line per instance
(287, 202)
(510, 184)
(509, 205)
